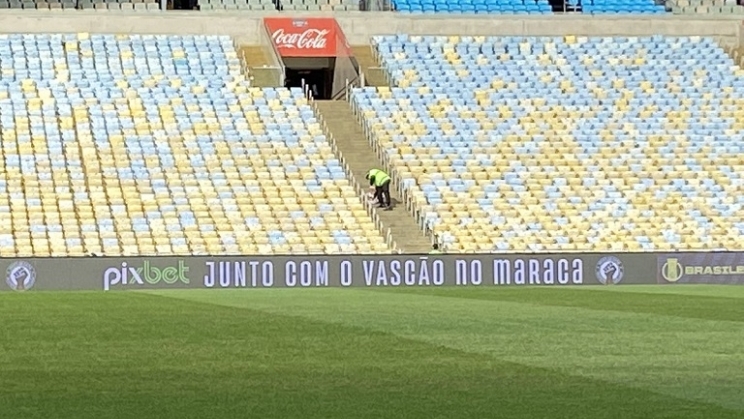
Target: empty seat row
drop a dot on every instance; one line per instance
(323, 5)
(473, 6)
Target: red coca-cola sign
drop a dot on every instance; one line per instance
(311, 37)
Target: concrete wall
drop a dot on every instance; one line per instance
(245, 27)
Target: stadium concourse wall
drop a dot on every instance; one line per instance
(246, 28)
(310, 271)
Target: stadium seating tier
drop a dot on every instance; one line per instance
(564, 144)
(157, 145)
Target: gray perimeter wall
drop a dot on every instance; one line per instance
(245, 27)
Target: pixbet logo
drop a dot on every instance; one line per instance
(147, 273)
(309, 39)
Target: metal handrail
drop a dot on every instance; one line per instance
(345, 91)
(408, 199)
(360, 192)
(405, 194)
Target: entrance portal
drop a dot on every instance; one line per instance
(319, 82)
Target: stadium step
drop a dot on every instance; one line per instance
(258, 66)
(353, 146)
(736, 53)
(254, 55)
(374, 75)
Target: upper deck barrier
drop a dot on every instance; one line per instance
(360, 26)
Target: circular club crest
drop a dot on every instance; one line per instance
(20, 276)
(609, 270)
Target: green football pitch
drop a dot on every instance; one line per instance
(615, 352)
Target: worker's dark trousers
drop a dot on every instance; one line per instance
(382, 193)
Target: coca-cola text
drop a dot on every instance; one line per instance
(309, 39)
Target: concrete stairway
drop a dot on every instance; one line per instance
(737, 53)
(354, 148)
(254, 55)
(373, 74)
(258, 66)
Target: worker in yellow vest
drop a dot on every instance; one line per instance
(381, 181)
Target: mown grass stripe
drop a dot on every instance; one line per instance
(690, 358)
(678, 305)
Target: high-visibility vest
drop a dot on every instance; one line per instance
(380, 176)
